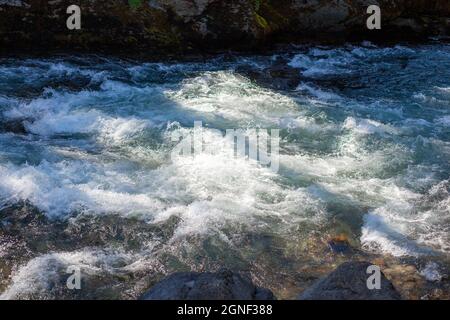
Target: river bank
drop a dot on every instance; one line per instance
(180, 27)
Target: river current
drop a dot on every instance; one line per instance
(364, 151)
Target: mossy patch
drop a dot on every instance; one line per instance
(261, 22)
(257, 5)
(135, 3)
(163, 38)
(275, 16)
(268, 16)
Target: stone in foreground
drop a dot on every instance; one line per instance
(349, 282)
(223, 285)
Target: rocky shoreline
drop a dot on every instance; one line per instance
(27, 234)
(347, 282)
(179, 27)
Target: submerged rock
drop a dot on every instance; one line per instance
(223, 285)
(349, 282)
(13, 126)
(280, 76)
(340, 244)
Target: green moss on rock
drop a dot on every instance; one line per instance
(135, 3)
(261, 22)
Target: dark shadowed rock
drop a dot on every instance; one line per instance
(279, 76)
(177, 26)
(223, 285)
(14, 126)
(349, 282)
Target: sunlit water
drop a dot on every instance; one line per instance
(365, 150)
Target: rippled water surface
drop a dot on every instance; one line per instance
(365, 150)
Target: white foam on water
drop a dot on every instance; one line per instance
(368, 126)
(371, 164)
(309, 124)
(207, 192)
(436, 230)
(117, 131)
(443, 121)
(40, 274)
(64, 123)
(78, 113)
(445, 90)
(208, 187)
(318, 93)
(40, 73)
(396, 225)
(401, 227)
(113, 98)
(224, 94)
(232, 189)
(238, 187)
(108, 130)
(432, 100)
(308, 165)
(384, 233)
(431, 272)
(61, 188)
(320, 62)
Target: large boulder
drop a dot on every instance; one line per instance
(223, 285)
(349, 282)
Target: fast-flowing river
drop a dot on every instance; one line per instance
(88, 177)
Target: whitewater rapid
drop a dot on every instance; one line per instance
(365, 150)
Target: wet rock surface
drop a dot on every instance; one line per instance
(349, 282)
(28, 239)
(340, 244)
(16, 127)
(223, 285)
(279, 76)
(26, 234)
(175, 26)
(42, 234)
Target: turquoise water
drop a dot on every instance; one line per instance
(364, 150)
